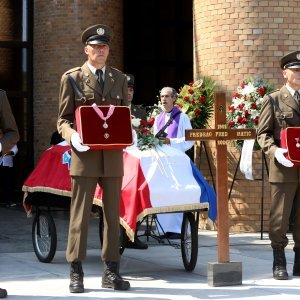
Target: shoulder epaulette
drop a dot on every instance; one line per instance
(273, 92)
(73, 70)
(115, 69)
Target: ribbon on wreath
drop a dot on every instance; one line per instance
(246, 159)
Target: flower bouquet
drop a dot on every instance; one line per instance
(197, 101)
(145, 137)
(246, 104)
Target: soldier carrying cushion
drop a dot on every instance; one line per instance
(95, 82)
(281, 109)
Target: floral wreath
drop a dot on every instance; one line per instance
(244, 111)
(197, 101)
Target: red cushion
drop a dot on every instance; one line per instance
(290, 139)
(117, 135)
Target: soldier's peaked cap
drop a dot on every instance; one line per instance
(130, 80)
(97, 34)
(290, 60)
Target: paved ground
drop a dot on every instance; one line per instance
(156, 273)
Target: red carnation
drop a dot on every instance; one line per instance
(146, 131)
(143, 123)
(231, 108)
(193, 102)
(239, 119)
(150, 122)
(231, 123)
(261, 91)
(253, 105)
(191, 83)
(197, 112)
(190, 91)
(241, 106)
(202, 99)
(186, 98)
(236, 95)
(246, 113)
(244, 121)
(256, 120)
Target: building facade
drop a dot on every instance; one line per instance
(162, 43)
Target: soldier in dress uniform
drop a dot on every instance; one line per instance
(9, 138)
(136, 110)
(103, 85)
(281, 109)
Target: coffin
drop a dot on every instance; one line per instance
(111, 130)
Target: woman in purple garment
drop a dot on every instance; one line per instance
(174, 135)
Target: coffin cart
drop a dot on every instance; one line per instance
(157, 181)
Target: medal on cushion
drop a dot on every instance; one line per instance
(297, 142)
(101, 115)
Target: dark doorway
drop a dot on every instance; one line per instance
(158, 40)
(16, 52)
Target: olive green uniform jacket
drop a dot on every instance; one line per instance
(92, 163)
(284, 181)
(270, 124)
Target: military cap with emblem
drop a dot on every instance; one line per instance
(97, 34)
(130, 80)
(290, 60)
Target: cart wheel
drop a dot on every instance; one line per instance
(44, 236)
(189, 241)
(123, 235)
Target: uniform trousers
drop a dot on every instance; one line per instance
(7, 183)
(83, 190)
(285, 196)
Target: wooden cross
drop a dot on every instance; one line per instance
(221, 134)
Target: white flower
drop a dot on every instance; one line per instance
(136, 122)
(254, 113)
(248, 89)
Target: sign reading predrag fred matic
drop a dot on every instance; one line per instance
(221, 135)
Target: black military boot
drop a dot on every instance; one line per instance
(76, 278)
(112, 279)
(279, 264)
(3, 293)
(296, 268)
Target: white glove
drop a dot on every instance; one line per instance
(281, 158)
(135, 138)
(77, 143)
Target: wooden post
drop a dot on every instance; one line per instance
(223, 273)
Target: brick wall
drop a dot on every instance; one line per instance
(235, 40)
(57, 47)
(6, 33)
